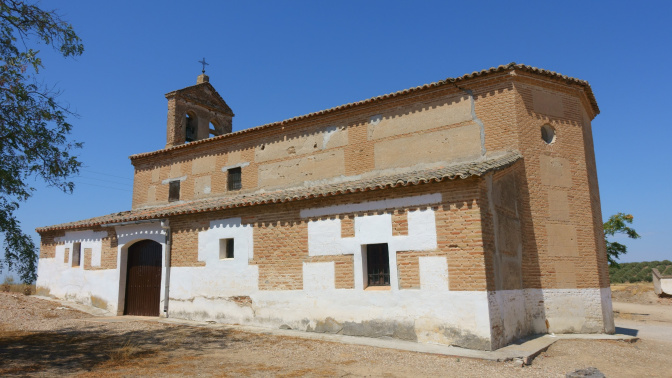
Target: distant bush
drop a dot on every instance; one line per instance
(638, 272)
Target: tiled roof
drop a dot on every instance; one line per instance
(463, 170)
(449, 81)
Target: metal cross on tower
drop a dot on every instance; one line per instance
(204, 64)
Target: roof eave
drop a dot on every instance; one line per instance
(475, 168)
(449, 81)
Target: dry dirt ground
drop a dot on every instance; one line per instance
(42, 338)
(640, 292)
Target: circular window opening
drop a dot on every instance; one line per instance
(548, 134)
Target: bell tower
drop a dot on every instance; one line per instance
(196, 112)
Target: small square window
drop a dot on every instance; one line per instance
(235, 179)
(174, 191)
(225, 249)
(76, 254)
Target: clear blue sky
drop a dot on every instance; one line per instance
(273, 60)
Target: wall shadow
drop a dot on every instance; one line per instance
(79, 349)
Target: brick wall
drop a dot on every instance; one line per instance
(281, 237)
(561, 222)
(108, 258)
(48, 244)
(558, 205)
(108, 253)
(353, 154)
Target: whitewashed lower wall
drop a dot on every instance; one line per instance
(517, 313)
(607, 311)
(443, 317)
(74, 283)
(227, 290)
(101, 287)
(215, 290)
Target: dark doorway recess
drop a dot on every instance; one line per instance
(143, 279)
(378, 265)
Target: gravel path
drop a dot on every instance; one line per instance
(43, 338)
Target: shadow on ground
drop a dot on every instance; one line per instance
(627, 331)
(84, 348)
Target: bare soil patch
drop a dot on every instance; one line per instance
(39, 337)
(638, 292)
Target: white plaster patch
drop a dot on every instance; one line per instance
(239, 165)
(327, 134)
(607, 310)
(393, 203)
(318, 276)
(134, 232)
(77, 284)
(88, 239)
(208, 289)
(168, 181)
(375, 119)
(421, 231)
(217, 282)
(433, 273)
(81, 236)
(451, 311)
(231, 228)
(373, 229)
(516, 313)
(324, 238)
(574, 310)
(59, 255)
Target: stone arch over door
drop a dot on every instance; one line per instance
(143, 279)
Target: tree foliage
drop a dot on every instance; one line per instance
(33, 125)
(618, 224)
(638, 272)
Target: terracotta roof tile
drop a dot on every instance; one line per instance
(463, 170)
(449, 81)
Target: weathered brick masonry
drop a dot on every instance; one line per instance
(481, 190)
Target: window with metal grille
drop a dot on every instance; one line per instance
(174, 191)
(76, 254)
(225, 249)
(235, 179)
(378, 265)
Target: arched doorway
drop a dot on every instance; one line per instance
(143, 279)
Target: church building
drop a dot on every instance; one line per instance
(463, 212)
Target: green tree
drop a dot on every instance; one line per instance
(33, 126)
(618, 224)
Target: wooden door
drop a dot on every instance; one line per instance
(143, 279)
